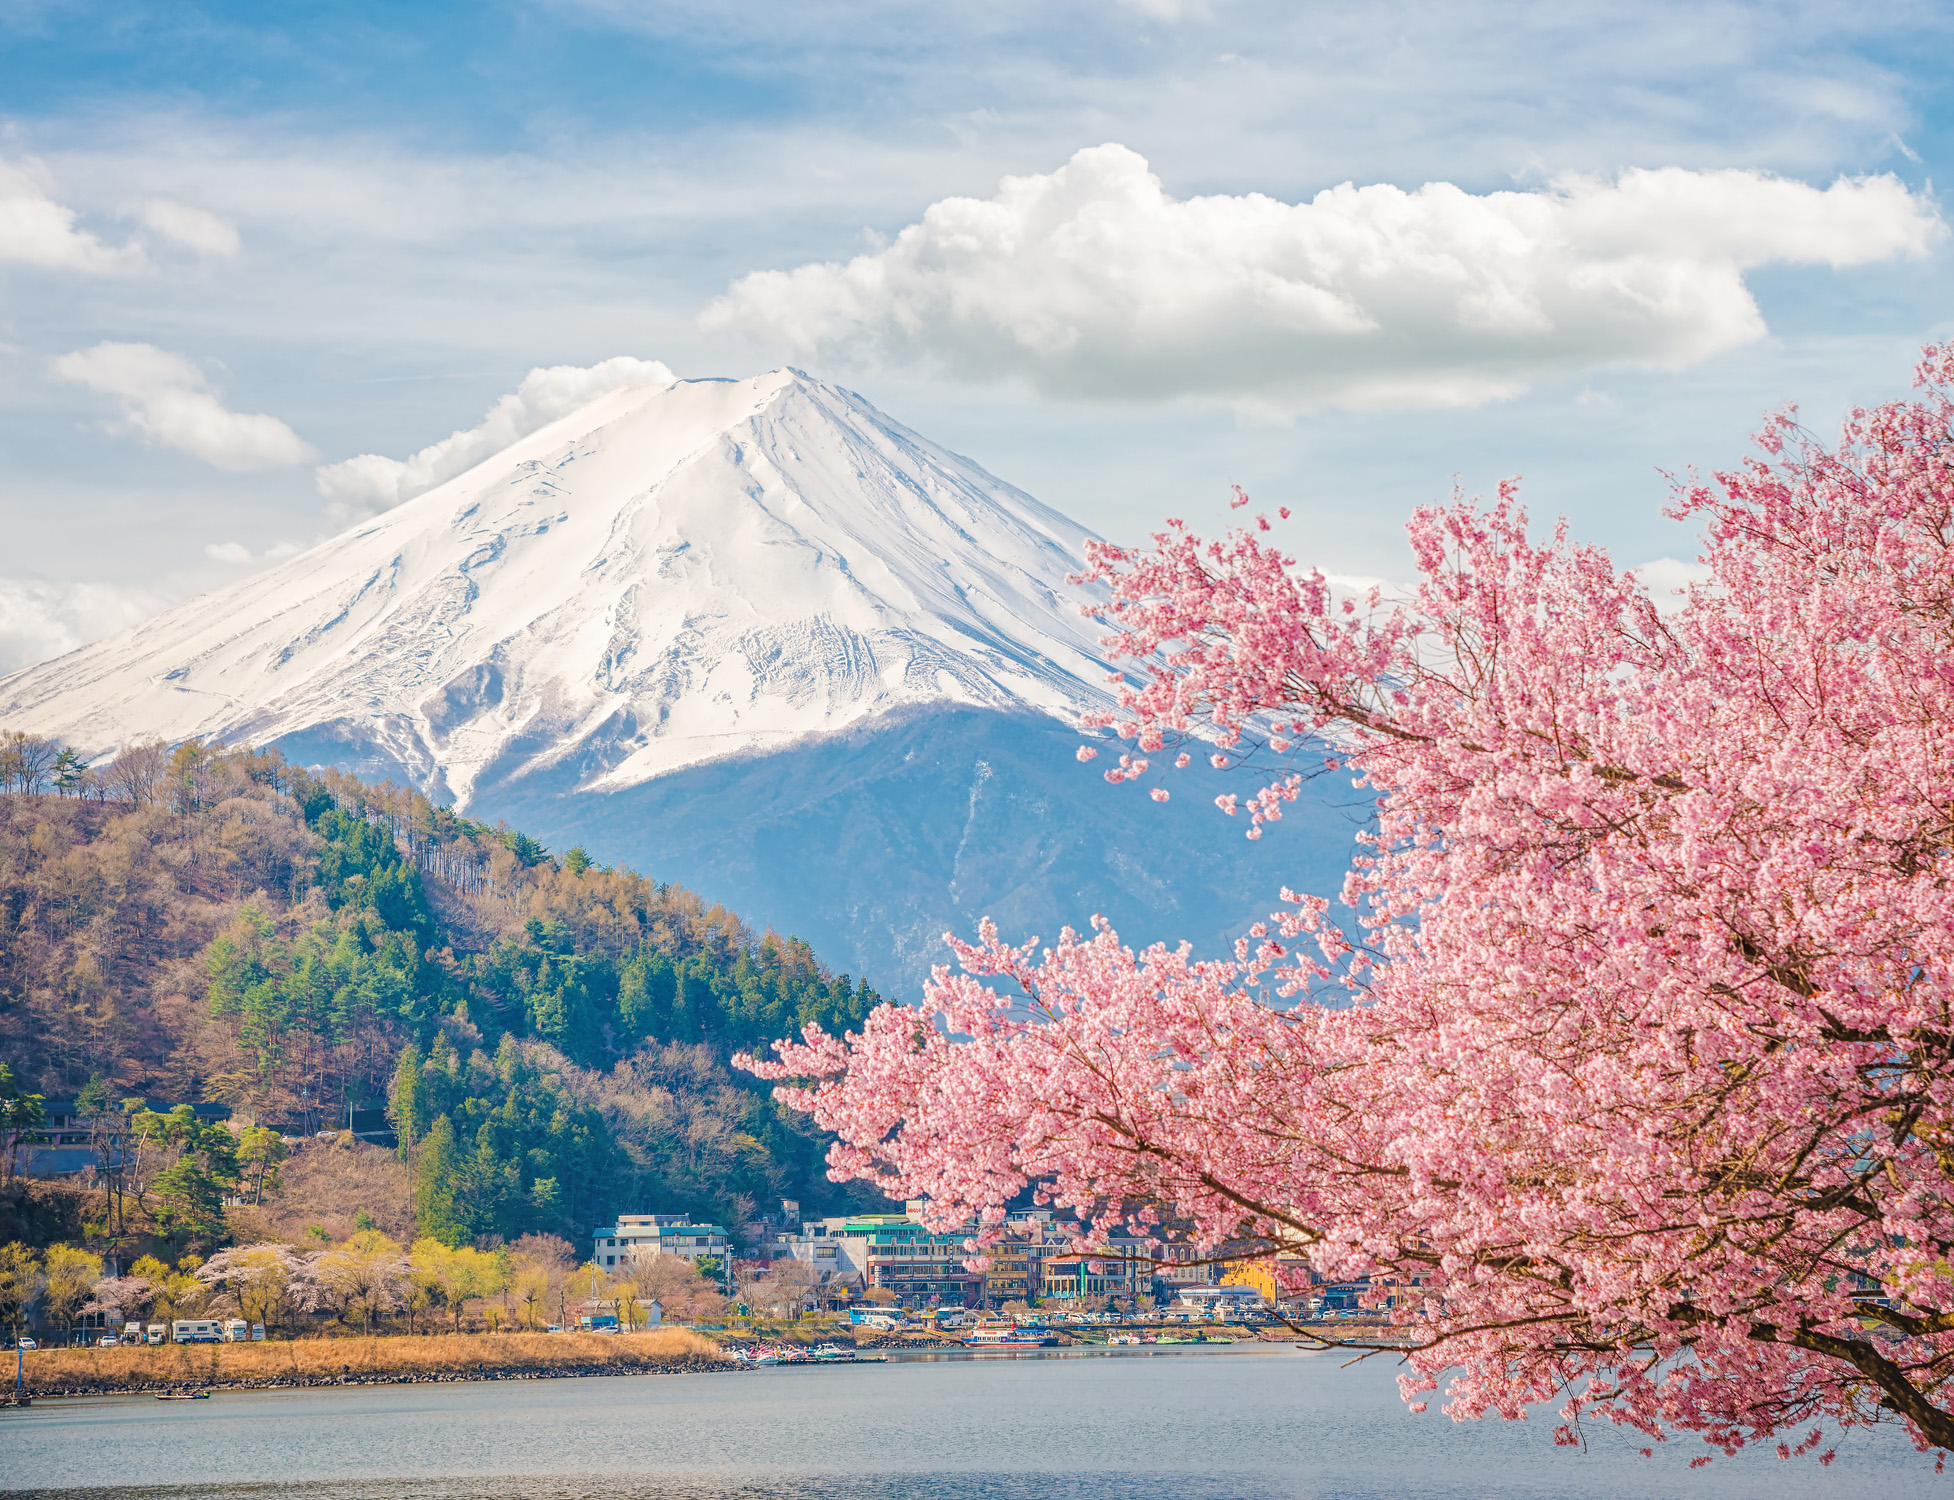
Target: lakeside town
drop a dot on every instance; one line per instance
(866, 1273)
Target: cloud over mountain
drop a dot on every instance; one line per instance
(166, 399)
(366, 485)
(41, 619)
(1092, 280)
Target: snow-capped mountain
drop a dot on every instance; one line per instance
(752, 636)
(667, 576)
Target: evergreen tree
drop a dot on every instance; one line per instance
(406, 1104)
(436, 1173)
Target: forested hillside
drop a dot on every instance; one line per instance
(549, 1036)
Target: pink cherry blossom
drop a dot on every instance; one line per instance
(1634, 1092)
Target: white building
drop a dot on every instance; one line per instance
(637, 1236)
(1228, 1300)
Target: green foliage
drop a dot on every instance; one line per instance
(593, 1009)
(436, 1174)
(407, 1101)
(71, 1273)
(525, 849)
(508, 1153)
(20, 1113)
(260, 1152)
(21, 1281)
(188, 1195)
(363, 868)
(95, 1097)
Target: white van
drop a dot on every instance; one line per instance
(236, 1331)
(196, 1331)
(157, 1333)
(132, 1333)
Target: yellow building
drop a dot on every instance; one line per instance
(1261, 1274)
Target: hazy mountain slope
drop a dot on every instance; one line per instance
(871, 843)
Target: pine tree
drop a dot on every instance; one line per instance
(406, 1106)
(437, 1171)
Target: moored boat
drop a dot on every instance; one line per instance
(1008, 1338)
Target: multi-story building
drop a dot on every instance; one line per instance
(1082, 1279)
(1178, 1266)
(1286, 1278)
(643, 1235)
(895, 1252)
(891, 1251)
(1010, 1276)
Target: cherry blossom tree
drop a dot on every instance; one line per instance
(1631, 1077)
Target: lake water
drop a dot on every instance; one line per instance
(1262, 1424)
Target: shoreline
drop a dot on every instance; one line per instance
(413, 1359)
(444, 1359)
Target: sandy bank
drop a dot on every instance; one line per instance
(367, 1361)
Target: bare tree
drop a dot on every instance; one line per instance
(675, 1284)
(137, 773)
(25, 760)
(790, 1288)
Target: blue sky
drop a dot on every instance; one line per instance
(365, 224)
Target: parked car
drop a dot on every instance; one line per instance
(107, 1341)
(29, 1344)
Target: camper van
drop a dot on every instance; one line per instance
(236, 1331)
(132, 1333)
(196, 1331)
(157, 1333)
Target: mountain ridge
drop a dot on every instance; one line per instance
(676, 572)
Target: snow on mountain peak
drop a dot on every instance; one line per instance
(668, 575)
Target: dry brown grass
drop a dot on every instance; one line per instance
(327, 1361)
(327, 1183)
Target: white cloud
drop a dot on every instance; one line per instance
(238, 554)
(166, 400)
(40, 620)
(193, 228)
(1092, 281)
(1668, 580)
(363, 486)
(37, 231)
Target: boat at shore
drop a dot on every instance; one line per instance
(1009, 1338)
(767, 1354)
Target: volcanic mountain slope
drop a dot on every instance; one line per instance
(752, 636)
(668, 575)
